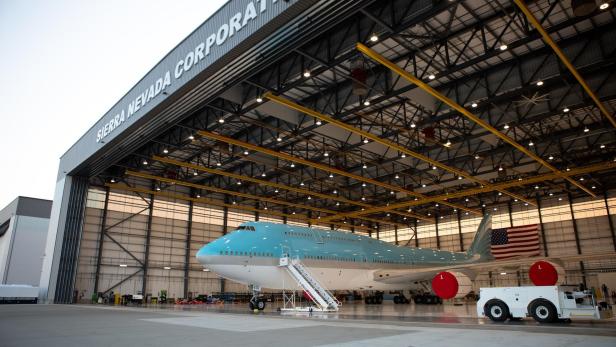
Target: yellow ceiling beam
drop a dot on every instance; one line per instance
(217, 203)
(563, 58)
(322, 167)
(466, 113)
(290, 104)
(272, 184)
(243, 195)
(474, 191)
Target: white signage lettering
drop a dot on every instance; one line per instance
(185, 64)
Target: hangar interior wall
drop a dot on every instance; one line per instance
(126, 239)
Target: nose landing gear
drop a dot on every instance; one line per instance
(257, 302)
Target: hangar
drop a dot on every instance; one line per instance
(404, 121)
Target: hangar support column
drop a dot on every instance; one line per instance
(188, 241)
(148, 234)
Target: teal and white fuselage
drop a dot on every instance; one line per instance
(338, 260)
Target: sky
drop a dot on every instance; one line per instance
(64, 63)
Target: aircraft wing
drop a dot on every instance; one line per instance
(421, 273)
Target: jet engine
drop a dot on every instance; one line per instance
(448, 285)
(546, 273)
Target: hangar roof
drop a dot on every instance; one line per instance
(445, 107)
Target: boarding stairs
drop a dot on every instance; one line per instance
(321, 296)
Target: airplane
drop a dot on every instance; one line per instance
(252, 255)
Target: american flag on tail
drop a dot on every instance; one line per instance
(515, 241)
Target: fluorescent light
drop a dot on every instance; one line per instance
(206, 270)
(123, 265)
(167, 268)
(503, 273)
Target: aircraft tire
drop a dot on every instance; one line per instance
(261, 304)
(397, 300)
(428, 300)
(378, 300)
(418, 299)
(251, 305)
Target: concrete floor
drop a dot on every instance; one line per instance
(232, 325)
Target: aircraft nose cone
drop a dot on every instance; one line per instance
(206, 253)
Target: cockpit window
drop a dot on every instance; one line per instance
(246, 227)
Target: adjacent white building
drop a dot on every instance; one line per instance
(23, 233)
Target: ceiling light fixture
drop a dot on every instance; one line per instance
(432, 77)
(566, 109)
(367, 103)
(586, 129)
(165, 151)
(539, 83)
(191, 137)
(374, 38)
(259, 99)
(366, 140)
(221, 120)
(474, 105)
(319, 122)
(604, 5)
(506, 126)
(307, 73)
(245, 152)
(503, 47)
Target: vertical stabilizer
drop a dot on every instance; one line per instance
(481, 247)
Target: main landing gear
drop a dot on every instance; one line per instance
(257, 301)
(427, 299)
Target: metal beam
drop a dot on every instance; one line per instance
(494, 187)
(148, 233)
(218, 203)
(187, 245)
(563, 58)
(101, 240)
(385, 142)
(466, 113)
(245, 195)
(271, 184)
(609, 220)
(323, 167)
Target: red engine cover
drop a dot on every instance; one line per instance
(542, 273)
(445, 285)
